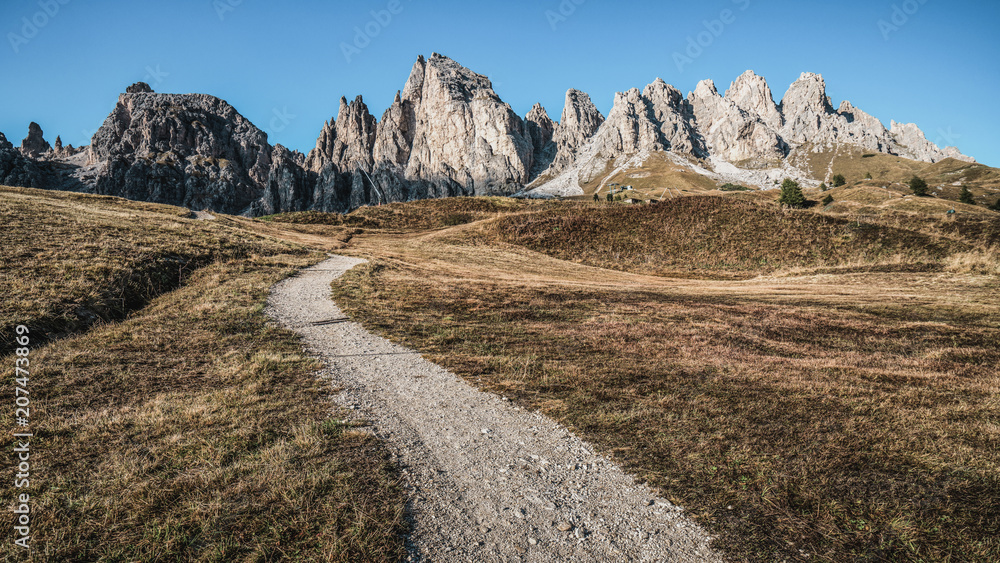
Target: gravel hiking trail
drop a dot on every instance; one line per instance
(485, 479)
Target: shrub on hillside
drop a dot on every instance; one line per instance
(791, 194)
(828, 199)
(823, 187)
(996, 206)
(839, 180)
(966, 196)
(919, 186)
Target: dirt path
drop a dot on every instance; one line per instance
(487, 481)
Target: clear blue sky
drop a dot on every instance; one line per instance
(282, 65)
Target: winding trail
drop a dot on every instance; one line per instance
(487, 481)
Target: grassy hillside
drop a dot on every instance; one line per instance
(171, 421)
(411, 216)
(945, 178)
(72, 260)
(835, 416)
(650, 180)
(714, 236)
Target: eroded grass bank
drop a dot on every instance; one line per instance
(192, 429)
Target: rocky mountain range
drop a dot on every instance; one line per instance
(447, 133)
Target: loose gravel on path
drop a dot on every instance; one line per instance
(486, 480)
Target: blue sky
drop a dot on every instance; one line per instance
(283, 64)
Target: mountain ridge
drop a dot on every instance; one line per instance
(448, 133)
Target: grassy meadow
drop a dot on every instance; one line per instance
(811, 385)
(808, 386)
(171, 421)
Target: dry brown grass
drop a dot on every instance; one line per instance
(711, 236)
(946, 177)
(71, 260)
(192, 430)
(895, 208)
(421, 215)
(655, 174)
(842, 416)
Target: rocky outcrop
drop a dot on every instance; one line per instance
(17, 169)
(656, 119)
(35, 145)
(464, 134)
(541, 129)
(394, 135)
(139, 88)
(192, 150)
(348, 140)
(580, 121)
(807, 112)
(859, 128)
(810, 118)
(744, 129)
(737, 135)
(910, 142)
(323, 153)
(673, 116)
(289, 186)
(61, 151)
(751, 93)
(446, 133)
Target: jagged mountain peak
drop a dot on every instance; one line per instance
(579, 121)
(541, 130)
(705, 89)
(35, 145)
(193, 150)
(447, 133)
(660, 91)
(537, 112)
(809, 91)
(752, 93)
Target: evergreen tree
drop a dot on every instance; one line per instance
(839, 180)
(919, 186)
(966, 196)
(791, 194)
(828, 199)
